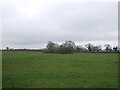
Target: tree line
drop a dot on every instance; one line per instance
(69, 47)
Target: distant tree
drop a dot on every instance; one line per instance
(69, 44)
(96, 48)
(115, 49)
(77, 48)
(69, 47)
(99, 48)
(56, 45)
(108, 47)
(80, 49)
(89, 47)
(51, 45)
(7, 48)
(65, 48)
(60, 50)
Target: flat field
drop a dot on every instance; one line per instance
(79, 70)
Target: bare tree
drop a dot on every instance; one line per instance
(69, 44)
(7, 48)
(80, 49)
(108, 47)
(51, 45)
(89, 47)
(96, 48)
(115, 49)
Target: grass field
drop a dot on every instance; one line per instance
(79, 70)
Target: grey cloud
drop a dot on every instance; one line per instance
(61, 22)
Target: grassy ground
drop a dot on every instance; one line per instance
(79, 70)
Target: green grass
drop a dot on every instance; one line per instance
(79, 70)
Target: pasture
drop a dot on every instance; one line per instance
(79, 70)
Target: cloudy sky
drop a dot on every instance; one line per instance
(32, 23)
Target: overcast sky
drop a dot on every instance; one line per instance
(32, 23)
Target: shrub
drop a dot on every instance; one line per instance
(60, 50)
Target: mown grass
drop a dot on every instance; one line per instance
(79, 70)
